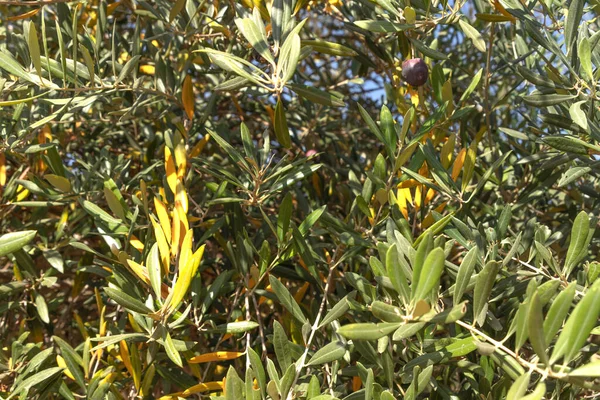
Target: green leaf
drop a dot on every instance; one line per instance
(465, 272)
(325, 47)
(566, 143)
(544, 100)
(281, 345)
(370, 123)
(472, 85)
(154, 270)
(429, 278)
(338, 310)
(473, 34)
(428, 51)
(289, 55)
(311, 219)
(591, 370)
(572, 174)
(577, 114)
(578, 243)
(256, 37)
(317, 95)
(558, 311)
(367, 331)
(128, 68)
(239, 66)
(234, 386)
(585, 58)
(281, 127)
(382, 26)
(36, 379)
(125, 300)
(573, 22)
(171, 350)
(578, 326)
(535, 322)
(519, 387)
(328, 353)
(11, 242)
(395, 273)
(72, 359)
(234, 327)
(258, 368)
(42, 308)
(483, 287)
(34, 48)
(286, 299)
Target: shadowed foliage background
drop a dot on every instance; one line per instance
(246, 199)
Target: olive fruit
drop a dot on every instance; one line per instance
(415, 72)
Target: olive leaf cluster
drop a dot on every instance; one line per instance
(299, 199)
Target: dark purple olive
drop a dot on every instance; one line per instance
(415, 72)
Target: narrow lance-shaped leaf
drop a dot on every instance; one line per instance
(578, 326)
(328, 353)
(465, 272)
(430, 273)
(483, 287)
(367, 331)
(281, 127)
(286, 299)
(11, 242)
(578, 243)
(535, 322)
(558, 311)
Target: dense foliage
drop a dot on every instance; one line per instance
(247, 199)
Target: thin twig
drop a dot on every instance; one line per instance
(314, 328)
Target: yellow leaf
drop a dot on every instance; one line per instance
(448, 96)
(181, 197)
(176, 233)
(182, 217)
(469, 166)
(163, 246)
(447, 150)
(407, 184)
(137, 269)
(163, 217)
(26, 15)
(170, 170)
(199, 388)
(458, 164)
(301, 292)
(147, 69)
(180, 156)
(186, 252)
(110, 9)
(216, 356)
(22, 193)
(199, 146)
(61, 363)
(125, 357)
(2, 170)
(187, 97)
(503, 11)
(59, 182)
(418, 190)
(80, 325)
(136, 243)
(402, 202)
(185, 276)
(428, 221)
(429, 196)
